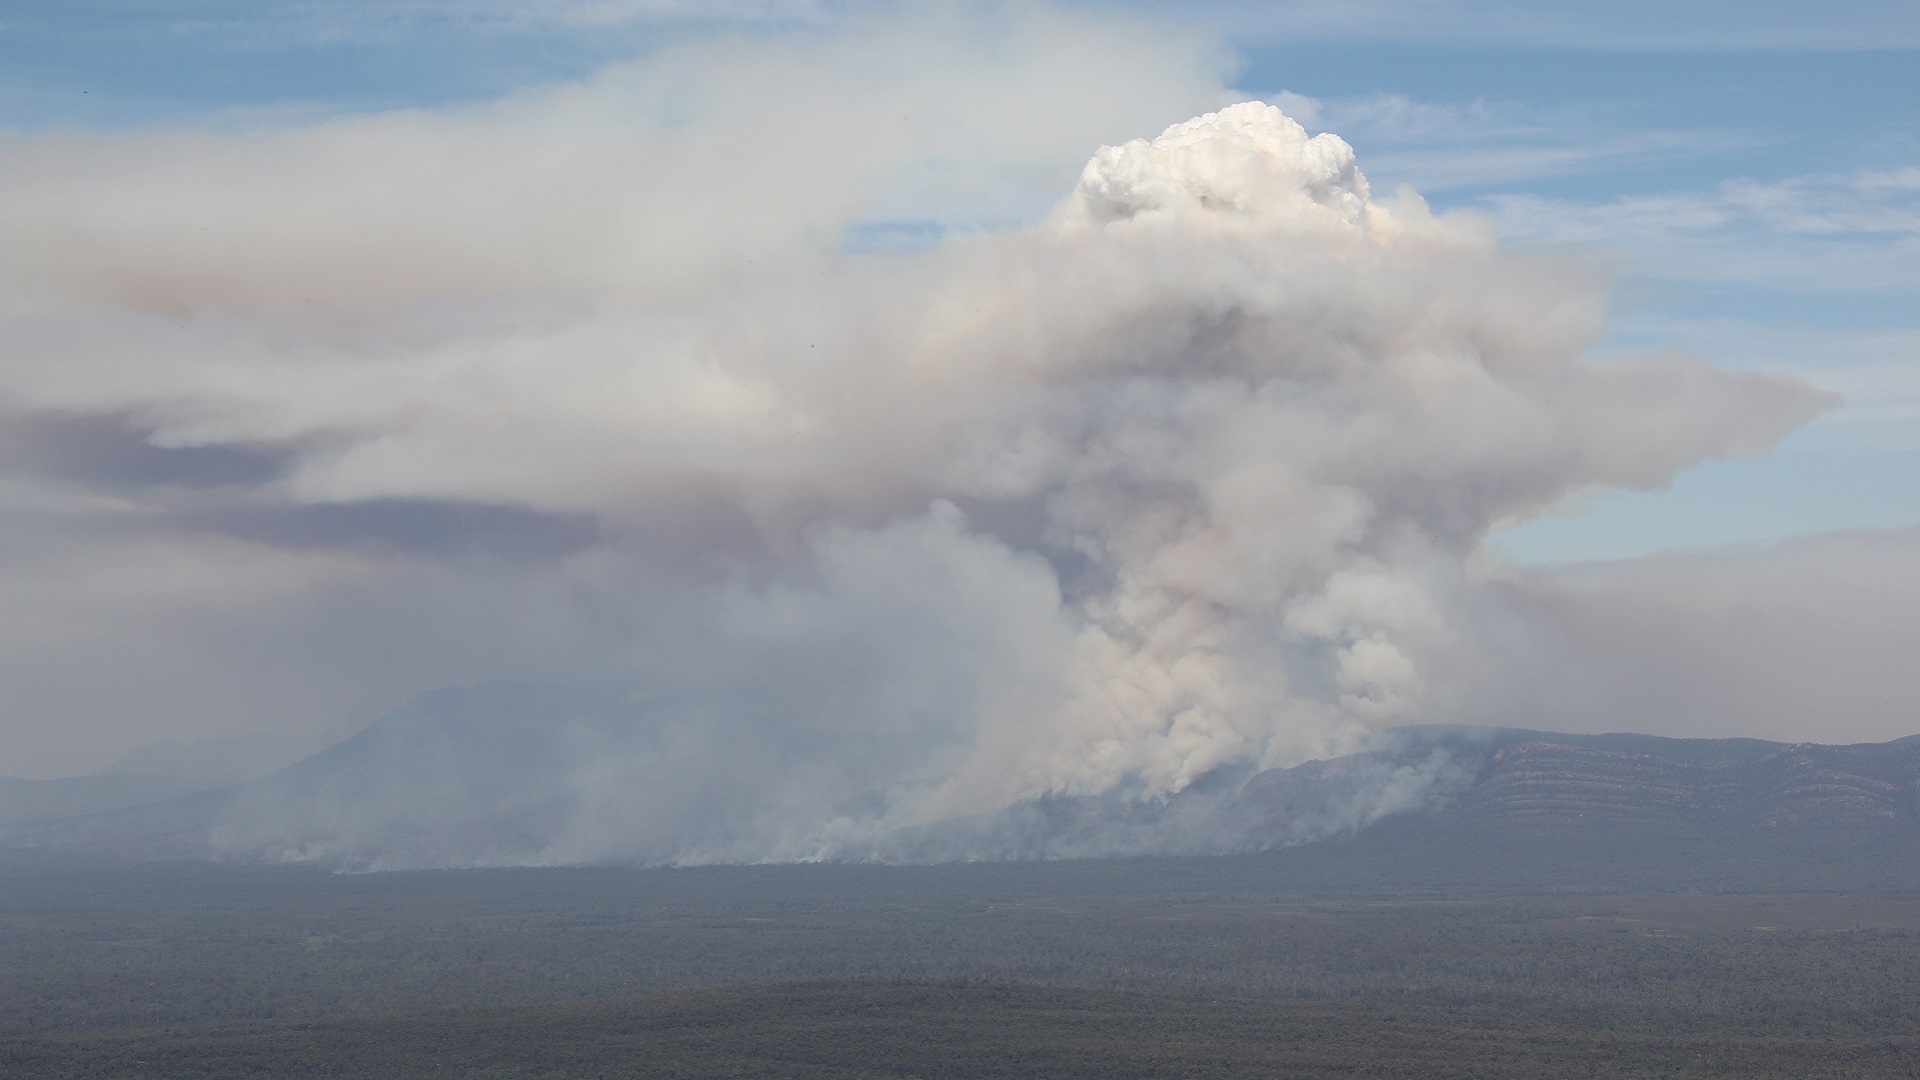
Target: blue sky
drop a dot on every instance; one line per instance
(1751, 171)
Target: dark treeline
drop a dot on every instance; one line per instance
(1799, 958)
(946, 1031)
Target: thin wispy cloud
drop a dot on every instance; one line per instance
(1612, 24)
(1851, 231)
(1443, 147)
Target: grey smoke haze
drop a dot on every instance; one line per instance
(1187, 473)
(1802, 641)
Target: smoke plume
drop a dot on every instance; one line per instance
(1186, 479)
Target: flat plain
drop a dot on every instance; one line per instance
(1403, 953)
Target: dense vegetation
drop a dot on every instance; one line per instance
(1640, 958)
(935, 1030)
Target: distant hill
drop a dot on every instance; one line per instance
(1476, 779)
(230, 759)
(149, 774)
(26, 804)
(516, 774)
(1499, 777)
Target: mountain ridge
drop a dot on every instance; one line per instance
(529, 773)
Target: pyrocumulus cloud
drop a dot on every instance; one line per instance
(1190, 474)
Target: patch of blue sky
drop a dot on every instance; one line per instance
(127, 63)
(1785, 494)
(1599, 25)
(1650, 121)
(880, 237)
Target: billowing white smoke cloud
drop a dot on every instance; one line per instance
(1192, 474)
(218, 341)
